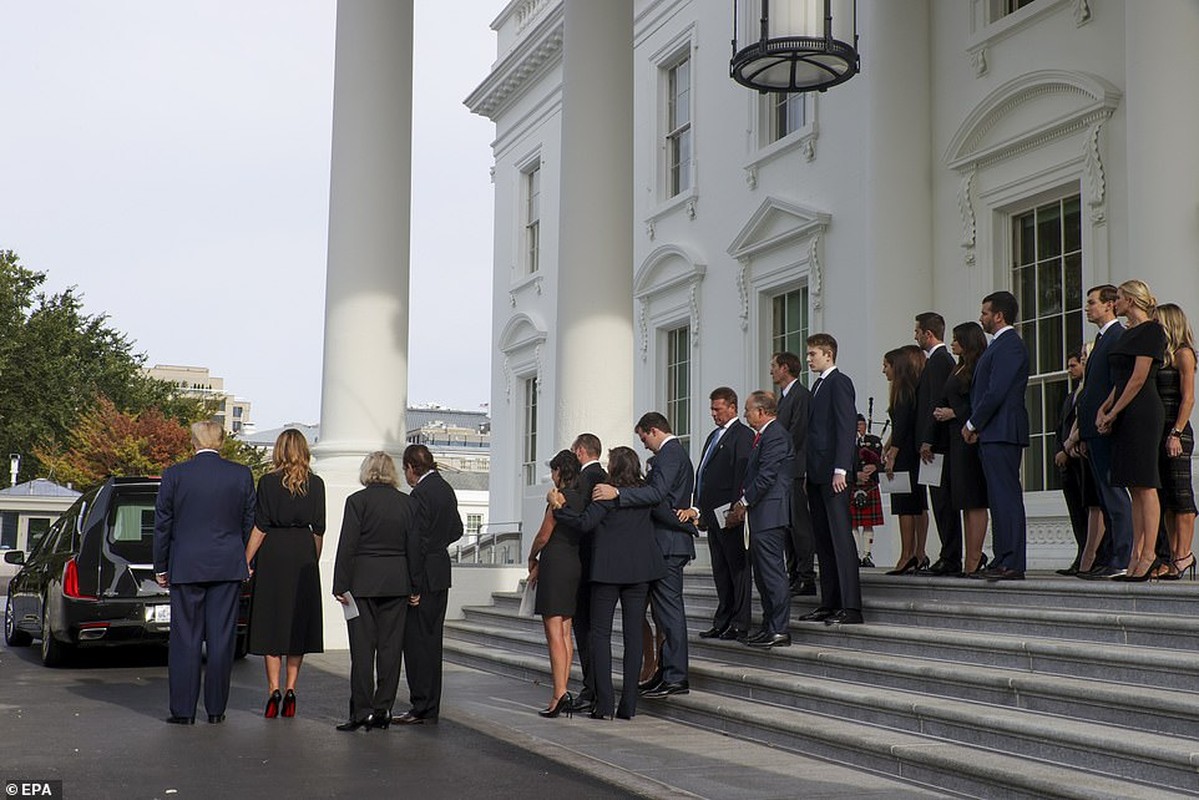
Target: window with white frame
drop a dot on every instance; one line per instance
(474, 522)
(529, 432)
(786, 113)
(1001, 8)
(531, 181)
(678, 381)
(789, 324)
(1047, 281)
(678, 127)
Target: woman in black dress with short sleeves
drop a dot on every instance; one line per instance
(1176, 385)
(284, 549)
(1133, 416)
(902, 367)
(968, 489)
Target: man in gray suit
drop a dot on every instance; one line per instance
(670, 479)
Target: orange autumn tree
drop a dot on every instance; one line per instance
(107, 441)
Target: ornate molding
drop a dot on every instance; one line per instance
(815, 273)
(643, 325)
(649, 230)
(507, 379)
(808, 147)
(690, 209)
(1094, 181)
(743, 292)
(978, 60)
(693, 303)
(1082, 12)
(537, 374)
(541, 48)
(751, 176)
(966, 208)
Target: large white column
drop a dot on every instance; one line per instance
(594, 353)
(1161, 71)
(364, 388)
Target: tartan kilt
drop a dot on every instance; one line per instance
(870, 515)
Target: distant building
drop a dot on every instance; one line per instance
(27, 511)
(232, 412)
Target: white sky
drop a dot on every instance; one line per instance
(171, 160)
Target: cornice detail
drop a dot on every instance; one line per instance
(743, 292)
(1093, 175)
(966, 208)
(541, 48)
(815, 273)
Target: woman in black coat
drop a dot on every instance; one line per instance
(377, 569)
(625, 558)
(902, 367)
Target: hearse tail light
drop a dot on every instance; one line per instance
(70, 582)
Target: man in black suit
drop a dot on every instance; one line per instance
(934, 437)
(202, 521)
(670, 479)
(438, 525)
(587, 449)
(999, 423)
(793, 399)
(718, 481)
(832, 434)
(765, 501)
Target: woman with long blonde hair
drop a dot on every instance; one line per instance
(283, 554)
(1176, 385)
(1133, 416)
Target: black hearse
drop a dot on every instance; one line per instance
(90, 581)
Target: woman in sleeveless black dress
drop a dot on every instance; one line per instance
(283, 552)
(555, 568)
(1133, 416)
(902, 367)
(968, 489)
(1176, 385)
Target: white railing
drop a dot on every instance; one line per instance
(494, 543)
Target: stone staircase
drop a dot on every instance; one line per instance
(1053, 687)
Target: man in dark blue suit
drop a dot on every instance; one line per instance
(670, 480)
(1115, 548)
(832, 444)
(766, 501)
(999, 423)
(934, 438)
(793, 399)
(202, 521)
(718, 481)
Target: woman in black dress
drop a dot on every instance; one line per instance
(1176, 385)
(624, 560)
(1133, 416)
(555, 569)
(902, 367)
(285, 610)
(968, 489)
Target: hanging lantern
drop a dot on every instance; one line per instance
(794, 45)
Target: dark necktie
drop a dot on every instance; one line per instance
(816, 385)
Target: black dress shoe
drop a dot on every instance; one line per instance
(173, 720)
(731, 634)
(1004, 574)
(380, 720)
(216, 719)
(624, 715)
(408, 718)
(712, 633)
(819, 615)
(583, 704)
(943, 568)
(595, 714)
(1069, 571)
(756, 636)
(846, 616)
(772, 640)
(654, 682)
(1100, 572)
(803, 589)
(665, 689)
(355, 724)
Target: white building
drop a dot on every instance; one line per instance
(660, 230)
(232, 412)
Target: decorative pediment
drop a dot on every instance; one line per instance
(1028, 111)
(521, 332)
(667, 267)
(776, 223)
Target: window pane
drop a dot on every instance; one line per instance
(1026, 290)
(1049, 231)
(1072, 281)
(1049, 288)
(1052, 348)
(1034, 465)
(1072, 227)
(1074, 332)
(1032, 401)
(1025, 240)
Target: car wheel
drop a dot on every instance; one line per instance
(54, 652)
(12, 636)
(241, 646)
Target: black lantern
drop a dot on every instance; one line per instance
(801, 47)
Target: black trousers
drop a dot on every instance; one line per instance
(1076, 507)
(201, 614)
(731, 574)
(801, 544)
(376, 652)
(581, 625)
(632, 597)
(669, 613)
(949, 520)
(422, 653)
(840, 584)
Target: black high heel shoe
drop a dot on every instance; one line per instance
(1180, 567)
(906, 568)
(1143, 577)
(565, 705)
(272, 705)
(289, 703)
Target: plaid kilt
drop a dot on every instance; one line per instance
(870, 515)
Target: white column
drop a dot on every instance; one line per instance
(364, 388)
(594, 353)
(1161, 71)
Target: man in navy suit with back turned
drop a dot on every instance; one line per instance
(832, 443)
(671, 478)
(202, 521)
(999, 423)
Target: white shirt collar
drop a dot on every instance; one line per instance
(1109, 324)
(207, 450)
(1001, 332)
(588, 464)
(929, 352)
(766, 425)
(827, 372)
(787, 388)
(427, 474)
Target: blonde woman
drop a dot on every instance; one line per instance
(1133, 416)
(284, 548)
(1176, 385)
